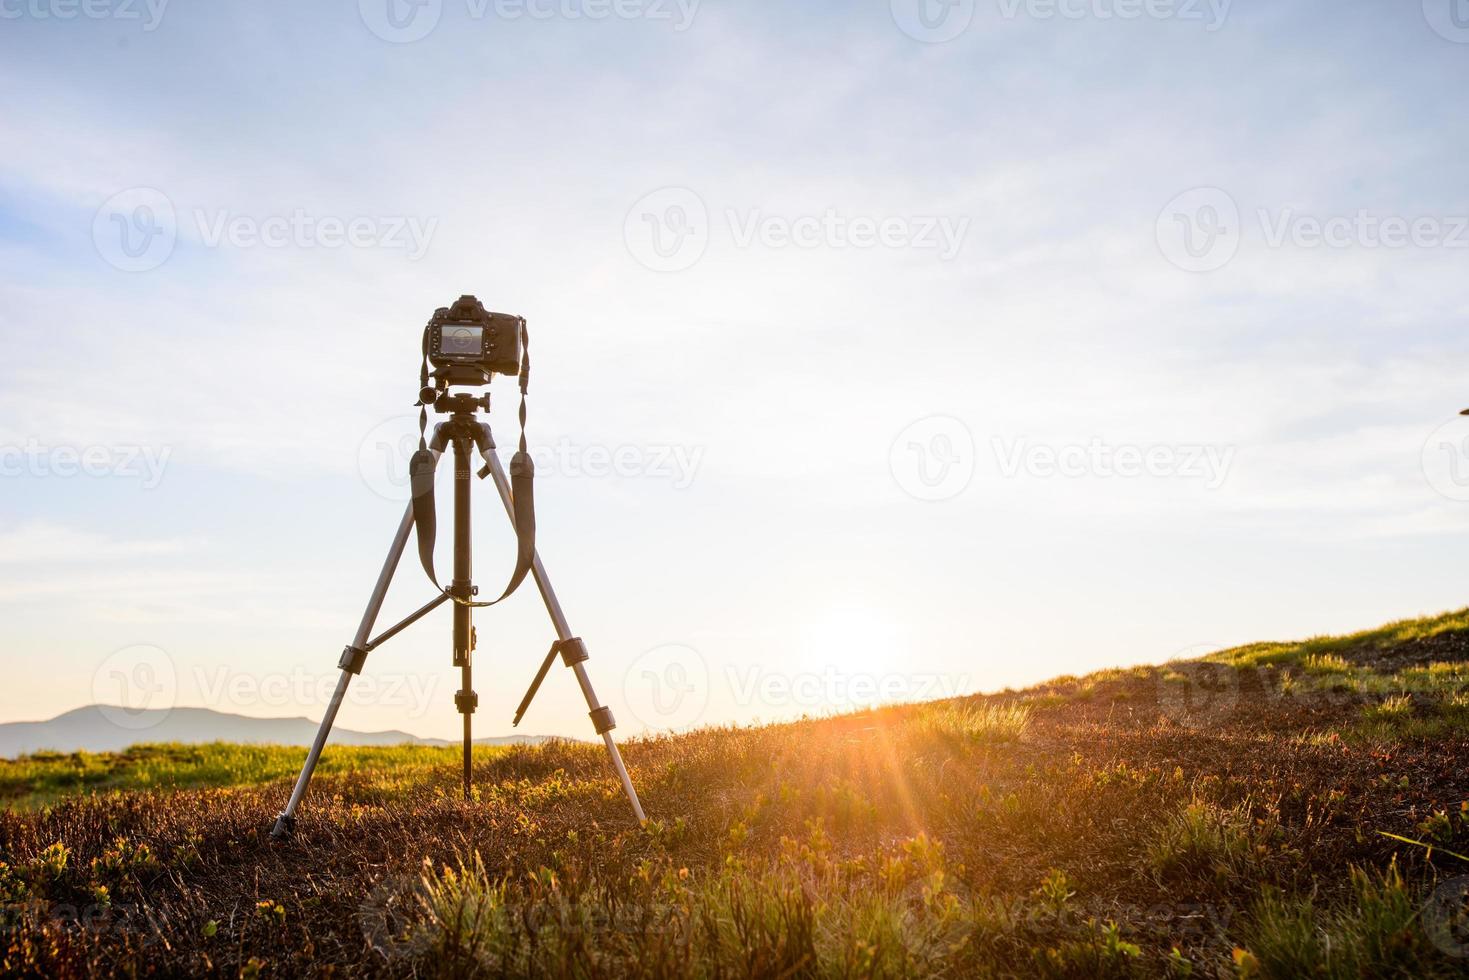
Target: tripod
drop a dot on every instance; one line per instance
(463, 432)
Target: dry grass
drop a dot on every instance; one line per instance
(1080, 829)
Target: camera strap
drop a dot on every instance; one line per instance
(421, 469)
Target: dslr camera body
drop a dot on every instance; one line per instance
(469, 345)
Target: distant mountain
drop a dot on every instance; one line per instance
(98, 728)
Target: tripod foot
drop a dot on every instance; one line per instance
(285, 827)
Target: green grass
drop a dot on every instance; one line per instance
(1325, 648)
(1203, 841)
(45, 777)
(1396, 708)
(1388, 704)
(1377, 934)
(803, 914)
(1436, 677)
(1327, 663)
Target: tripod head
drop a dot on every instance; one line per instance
(462, 403)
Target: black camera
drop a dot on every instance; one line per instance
(468, 345)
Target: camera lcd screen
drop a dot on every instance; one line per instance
(460, 341)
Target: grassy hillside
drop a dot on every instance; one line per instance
(1218, 818)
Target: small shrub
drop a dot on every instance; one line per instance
(465, 924)
(1375, 934)
(1327, 663)
(1055, 891)
(1102, 952)
(1397, 708)
(1435, 677)
(976, 722)
(1203, 840)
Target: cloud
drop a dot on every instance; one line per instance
(40, 543)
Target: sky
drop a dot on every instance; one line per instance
(883, 350)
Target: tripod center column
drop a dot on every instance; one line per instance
(463, 588)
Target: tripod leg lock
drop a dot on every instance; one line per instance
(353, 660)
(603, 720)
(285, 827)
(573, 651)
(466, 702)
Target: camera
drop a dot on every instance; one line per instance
(468, 345)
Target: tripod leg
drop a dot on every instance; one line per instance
(464, 638)
(351, 663)
(287, 821)
(601, 717)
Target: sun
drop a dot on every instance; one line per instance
(857, 654)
